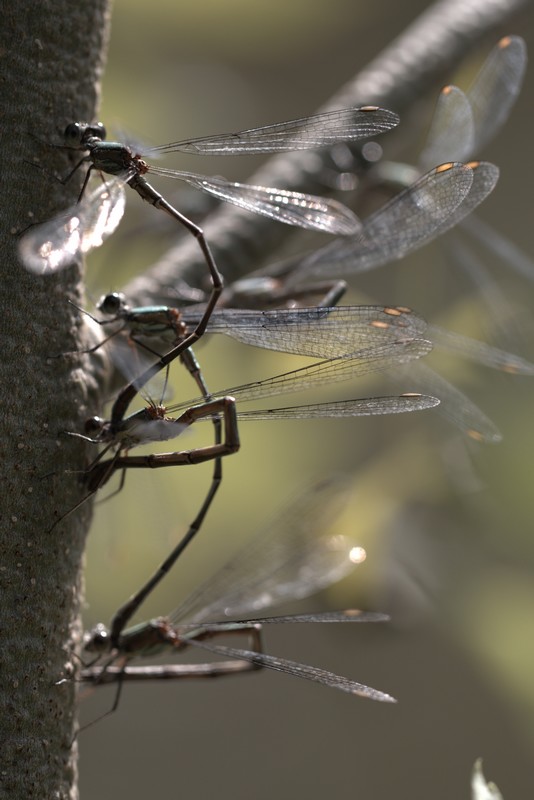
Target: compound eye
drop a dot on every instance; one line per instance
(112, 303)
(93, 425)
(99, 130)
(97, 640)
(74, 132)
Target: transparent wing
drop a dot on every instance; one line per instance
(320, 130)
(328, 371)
(54, 245)
(162, 430)
(365, 407)
(293, 208)
(454, 405)
(411, 219)
(347, 615)
(132, 361)
(328, 332)
(496, 87)
(464, 122)
(297, 670)
(509, 323)
(480, 352)
(293, 556)
(506, 250)
(320, 373)
(315, 332)
(452, 131)
(485, 177)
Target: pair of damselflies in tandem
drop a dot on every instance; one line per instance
(384, 338)
(352, 340)
(376, 338)
(296, 555)
(371, 338)
(422, 210)
(52, 246)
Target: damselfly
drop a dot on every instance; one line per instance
(323, 332)
(369, 338)
(317, 331)
(293, 557)
(154, 423)
(52, 246)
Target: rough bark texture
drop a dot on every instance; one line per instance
(52, 57)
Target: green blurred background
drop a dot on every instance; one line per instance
(446, 523)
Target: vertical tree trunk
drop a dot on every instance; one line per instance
(52, 57)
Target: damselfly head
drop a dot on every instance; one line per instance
(113, 303)
(94, 426)
(77, 134)
(97, 640)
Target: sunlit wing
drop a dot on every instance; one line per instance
(329, 371)
(293, 208)
(496, 87)
(52, 246)
(316, 332)
(297, 670)
(306, 133)
(464, 122)
(411, 219)
(364, 407)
